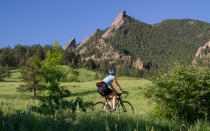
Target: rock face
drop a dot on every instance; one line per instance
(138, 64)
(70, 45)
(115, 25)
(99, 49)
(88, 38)
(203, 54)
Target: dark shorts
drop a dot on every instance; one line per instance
(104, 90)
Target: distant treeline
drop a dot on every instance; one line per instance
(20, 54)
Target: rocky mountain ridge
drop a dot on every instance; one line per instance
(118, 22)
(107, 52)
(130, 42)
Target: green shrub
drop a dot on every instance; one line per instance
(55, 98)
(183, 92)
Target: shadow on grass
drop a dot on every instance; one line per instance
(12, 80)
(19, 97)
(28, 121)
(84, 93)
(14, 68)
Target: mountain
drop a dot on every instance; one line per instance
(151, 46)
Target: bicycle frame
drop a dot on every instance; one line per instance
(122, 105)
(118, 100)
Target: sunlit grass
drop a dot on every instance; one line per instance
(14, 109)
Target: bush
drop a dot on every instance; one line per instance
(51, 76)
(183, 92)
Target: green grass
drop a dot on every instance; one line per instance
(88, 91)
(14, 114)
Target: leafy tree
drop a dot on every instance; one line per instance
(30, 74)
(183, 92)
(52, 76)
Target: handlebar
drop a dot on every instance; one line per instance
(119, 94)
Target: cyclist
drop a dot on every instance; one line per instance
(103, 89)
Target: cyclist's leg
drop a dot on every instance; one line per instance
(108, 99)
(105, 91)
(114, 95)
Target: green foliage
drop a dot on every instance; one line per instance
(52, 75)
(182, 93)
(70, 58)
(30, 74)
(19, 55)
(6, 57)
(90, 64)
(2, 73)
(72, 75)
(136, 72)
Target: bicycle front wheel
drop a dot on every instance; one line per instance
(99, 107)
(125, 107)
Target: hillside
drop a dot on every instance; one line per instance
(131, 42)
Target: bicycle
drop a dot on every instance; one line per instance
(121, 105)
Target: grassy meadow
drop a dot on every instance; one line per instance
(14, 113)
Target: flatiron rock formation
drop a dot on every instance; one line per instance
(70, 45)
(115, 25)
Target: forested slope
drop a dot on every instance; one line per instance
(156, 45)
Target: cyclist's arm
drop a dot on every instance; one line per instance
(117, 85)
(113, 88)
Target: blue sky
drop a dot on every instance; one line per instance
(30, 22)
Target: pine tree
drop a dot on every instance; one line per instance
(30, 76)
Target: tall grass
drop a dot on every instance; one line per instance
(93, 122)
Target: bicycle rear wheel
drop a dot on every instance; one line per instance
(99, 107)
(125, 107)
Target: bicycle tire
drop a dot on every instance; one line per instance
(125, 107)
(99, 107)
